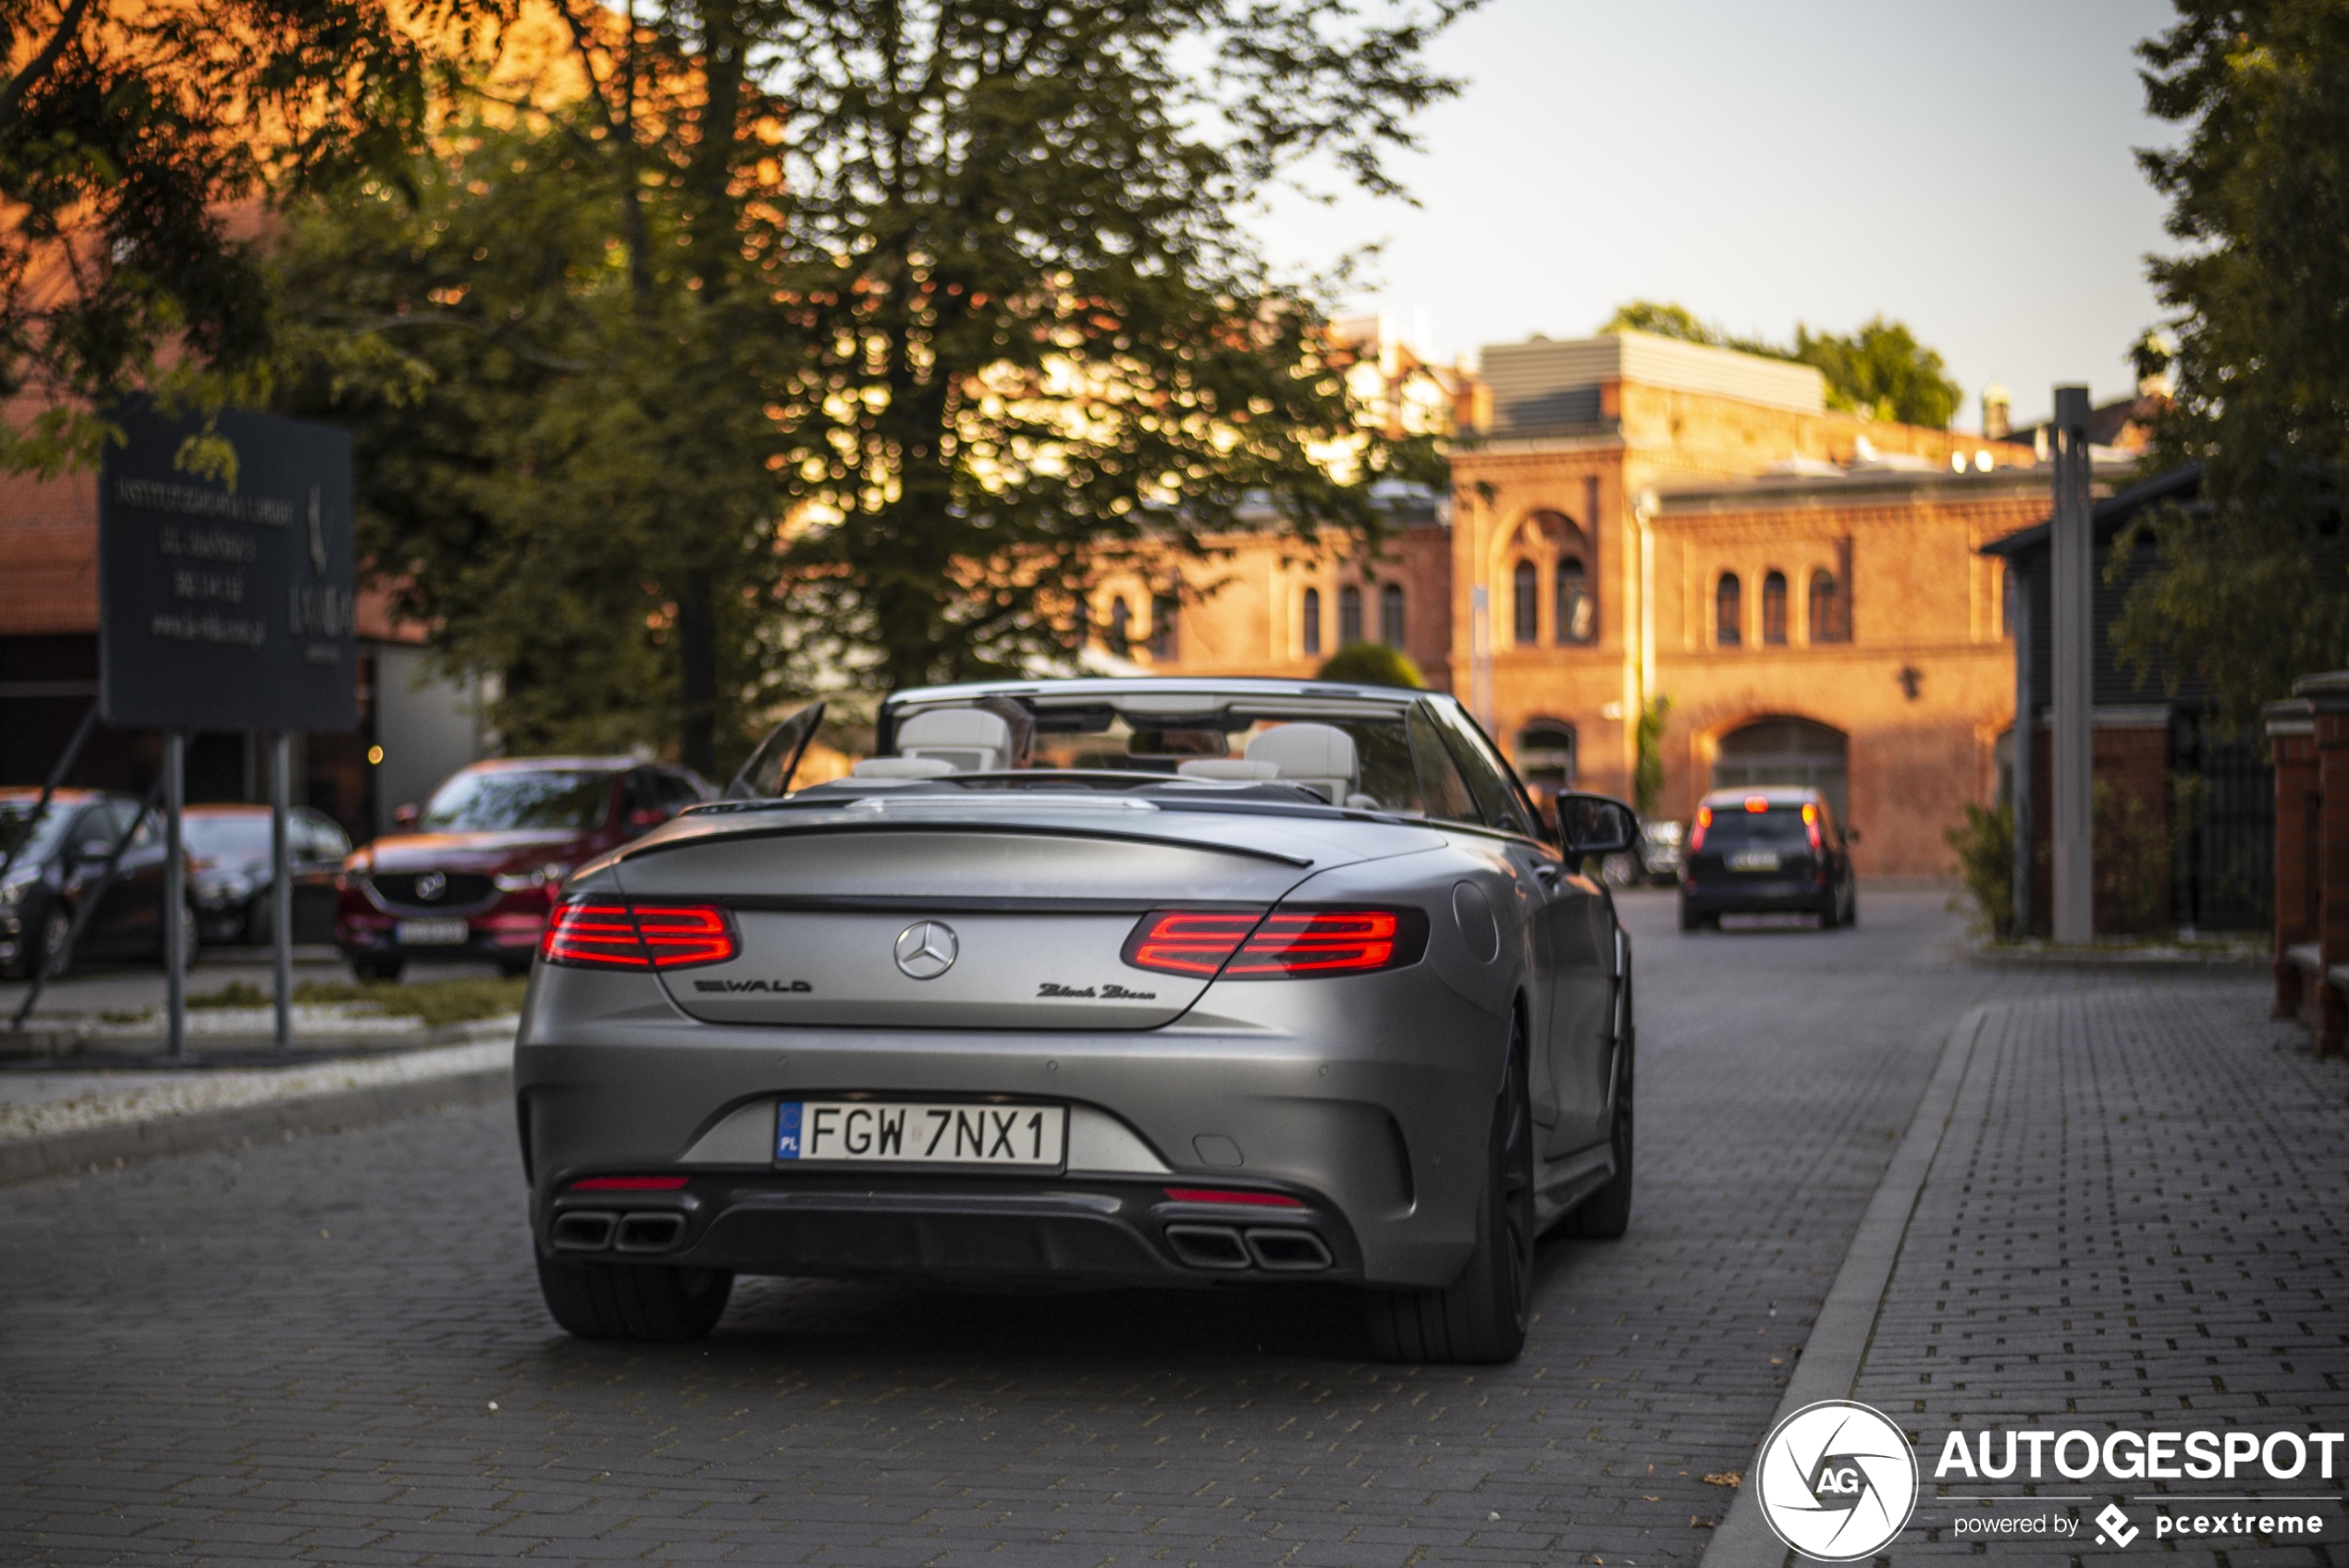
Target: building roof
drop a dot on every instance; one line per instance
(2182, 483)
(1542, 385)
(1845, 488)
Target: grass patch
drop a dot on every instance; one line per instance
(434, 1002)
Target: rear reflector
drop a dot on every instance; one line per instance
(1231, 1194)
(629, 1184)
(607, 935)
(1281, 945)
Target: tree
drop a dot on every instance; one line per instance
(133, 134)
(555, 447)
(1881, 371)
(1037, 325)
(1370, 664)
(2249, 588)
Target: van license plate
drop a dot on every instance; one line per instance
(922, 1134)
(432, 933)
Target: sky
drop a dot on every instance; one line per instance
(1968, 170)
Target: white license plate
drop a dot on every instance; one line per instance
(922, 1134)
(432, 933)
(1755, 859)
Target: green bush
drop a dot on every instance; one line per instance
(1370, 664)
(2132, 855)
(1984, 846)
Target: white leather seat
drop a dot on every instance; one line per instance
(965, 739)
(901, 768)
(1320, 756)
(1227, 768)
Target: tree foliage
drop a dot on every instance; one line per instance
(2250, 589)
(861, 330)
(135, 138)
(1370, 664)
(1880, 372)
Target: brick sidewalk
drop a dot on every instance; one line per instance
(2134, 1220)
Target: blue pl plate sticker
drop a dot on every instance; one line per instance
(787, 1130)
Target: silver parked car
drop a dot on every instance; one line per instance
(1093, 982)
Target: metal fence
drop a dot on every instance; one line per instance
(2223, 794)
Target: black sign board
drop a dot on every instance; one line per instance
(220, 608)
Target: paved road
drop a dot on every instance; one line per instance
(332, 1350)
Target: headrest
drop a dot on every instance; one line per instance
(1306, 750)
(967, 739)
(1226, 767)
(901, 768)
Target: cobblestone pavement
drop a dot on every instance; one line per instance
(2135, 1221)
(331, 1350)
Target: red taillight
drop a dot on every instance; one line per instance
(1231, 1194)
(629, 1184)
(1703, 821)
(602, 934)
(1810, 826)
(1284, 944)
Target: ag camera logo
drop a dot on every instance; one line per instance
(1838, 1480)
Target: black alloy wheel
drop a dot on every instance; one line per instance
(1482, 1316)
(45, 951)
(656, 1302)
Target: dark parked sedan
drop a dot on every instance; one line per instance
(233, 871)
(61, 855)
(490, 852)
(1772, 850)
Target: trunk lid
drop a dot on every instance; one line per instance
(1036, 901)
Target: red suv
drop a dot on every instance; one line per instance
(479, 867)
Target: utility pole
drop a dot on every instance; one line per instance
(2071, 561)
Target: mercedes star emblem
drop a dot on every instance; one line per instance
(926, 949)
(431, 885)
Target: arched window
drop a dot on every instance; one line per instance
(1528, 603)
(1121, 629)
(1165, 645)
(1774, 609)
(1349, 615)
(1312, 617)
(1729, 611)
(1826, 609)
(1390, 614)
(1571, 610)
(1545, 754)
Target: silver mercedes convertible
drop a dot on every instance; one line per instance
(1092, 982)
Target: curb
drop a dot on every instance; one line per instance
(1829, 1367)
(199, 1131)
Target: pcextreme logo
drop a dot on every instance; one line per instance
(1838, 1480)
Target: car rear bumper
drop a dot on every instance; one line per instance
(1753, 898)
(1376, 1130)
(1075, 1230)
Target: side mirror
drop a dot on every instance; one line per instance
(1596, 825)
(404, 818)
(1851, 835)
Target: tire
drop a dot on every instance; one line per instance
(46, 941)
(1689, 919)
(1607, 1214)
(1482, 1316)
(386, 968)
(1830, 910)
(658, 1304)
(1851, 907)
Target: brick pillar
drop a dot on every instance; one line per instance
(2328, 696)
(2292, 739)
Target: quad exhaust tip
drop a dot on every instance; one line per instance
(595, 1230)
(1278, 1249)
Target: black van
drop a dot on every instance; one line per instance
(1767, 850)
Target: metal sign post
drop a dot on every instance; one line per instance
(226, 607)
(175, 893)
(2073, 579)
(281, 882)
